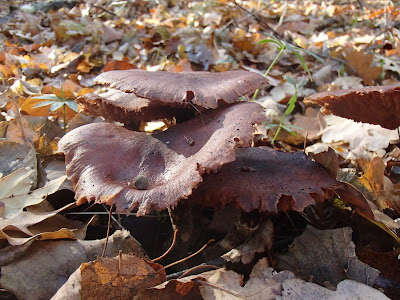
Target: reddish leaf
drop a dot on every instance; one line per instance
(375, 105)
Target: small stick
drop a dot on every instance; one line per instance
(169, 249)
(190, 256)
(201, 282)
(196, 268)
(108, 231)
(305, 142)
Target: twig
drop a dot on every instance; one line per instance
(104, 9)
(190, 256)
(265, 24)
(305, 142)
(120, 225)
(169, 249)
(196, 268)
(108, 232)
(114, 213)
(201, 282)
(280, 36)
(217, 262)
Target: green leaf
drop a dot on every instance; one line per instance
(291, 105)
(291, 81)
(302, 84)
(269, 41)
(312, 54)
(56, 106)
(270, 126)
(50, 97)
(303, 63)
(72, 105)
(289, 129)
(45, 103)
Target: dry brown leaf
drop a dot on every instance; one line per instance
(361, 63)
(259, 242)
(175, 289)
(46, 266)
(15, 156)
(264, 283)
(44, 111)
(375, 104)
(103, 279)
(327, 257)
(294, 289)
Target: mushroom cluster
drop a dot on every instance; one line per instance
(202, 158)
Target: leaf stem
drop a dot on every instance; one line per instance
(268, 70)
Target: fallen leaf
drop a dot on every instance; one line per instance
(15, 156)
(358, 136)
(16, 200)
(327, 257)
(110, 278)
(361, 63)
(259, 242)
(47, 265)
(294, 289)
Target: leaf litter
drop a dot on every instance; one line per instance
(52, 51)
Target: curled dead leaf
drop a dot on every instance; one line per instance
(378, 105)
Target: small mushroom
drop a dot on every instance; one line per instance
(378, 105)
(203, 89)
(102, 159)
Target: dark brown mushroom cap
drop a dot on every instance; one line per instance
(127, 108)
(378, 105)
(203, 89)
(260, 177)
(104, 161)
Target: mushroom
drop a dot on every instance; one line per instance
(203, 89)
(379, 105)
(104, 160)
(261, 177)
(127, 108)
(135, 170)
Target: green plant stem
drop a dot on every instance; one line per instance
(268, 70)
(278, 130)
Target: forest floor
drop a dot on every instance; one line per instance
(344, 244)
